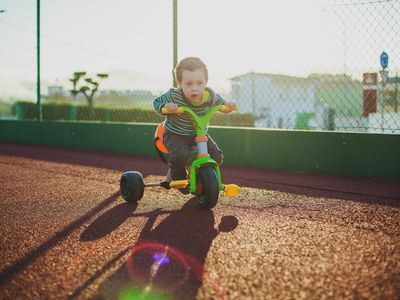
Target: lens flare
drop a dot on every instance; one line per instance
(160, 259)
(148, 261)
(134, 294)
(162, 268)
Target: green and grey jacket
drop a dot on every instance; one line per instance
(181, 124)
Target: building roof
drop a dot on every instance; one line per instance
(277, 78)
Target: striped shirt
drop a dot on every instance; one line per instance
(181, 123)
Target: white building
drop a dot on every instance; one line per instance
(55, 90)
(274, 100)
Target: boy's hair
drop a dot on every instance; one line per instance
(190, 64)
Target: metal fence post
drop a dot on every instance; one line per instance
(175, 39)
(38, 105)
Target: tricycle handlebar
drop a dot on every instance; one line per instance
(165, 111)
(180, 110)
(225, 108)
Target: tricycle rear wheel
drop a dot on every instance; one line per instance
(207, 183)
(131, 186)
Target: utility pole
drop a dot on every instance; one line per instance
(38, 105)
(396, 88)
(175, 39)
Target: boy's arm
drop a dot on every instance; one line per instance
(219, 100)
(216, 99)
(161, 101)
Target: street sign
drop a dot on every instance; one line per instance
(384, 60)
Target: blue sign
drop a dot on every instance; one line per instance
(384, 60)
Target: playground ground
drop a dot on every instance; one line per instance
(66, 233)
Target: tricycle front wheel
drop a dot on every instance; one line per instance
(131, 186)
(207, 184)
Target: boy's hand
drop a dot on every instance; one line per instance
(172, 107)
(231, 105)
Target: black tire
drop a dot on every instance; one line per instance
(208, 181)
(131, 186)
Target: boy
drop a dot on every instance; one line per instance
(191, 76)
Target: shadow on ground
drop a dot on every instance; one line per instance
(167, 259)
(109, 221)
(21, 264)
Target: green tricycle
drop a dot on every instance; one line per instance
(204, 176)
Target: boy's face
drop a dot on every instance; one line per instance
(193, 84)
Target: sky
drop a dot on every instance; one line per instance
(132, 39)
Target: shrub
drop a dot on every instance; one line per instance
(66, 111)
(28, 109)
(5, 108)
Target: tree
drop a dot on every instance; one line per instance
(88, 89)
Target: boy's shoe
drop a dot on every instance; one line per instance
(167, 180)
(185, 190)
(165, 185)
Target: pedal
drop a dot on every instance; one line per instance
(231, 190)
(165, 185)
(178, 184)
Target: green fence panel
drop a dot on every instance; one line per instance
(338, 153)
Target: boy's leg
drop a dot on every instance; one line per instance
(178, 148)
(168, 177)
(215, 153)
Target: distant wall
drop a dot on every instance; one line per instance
(338, 153)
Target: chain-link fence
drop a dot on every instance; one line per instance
(309, 65)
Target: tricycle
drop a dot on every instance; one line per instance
(204, 176)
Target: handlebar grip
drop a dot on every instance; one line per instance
(225, 108)
(165, 111)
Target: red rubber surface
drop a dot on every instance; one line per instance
(66, 233)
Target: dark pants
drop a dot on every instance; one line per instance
(179, 152)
